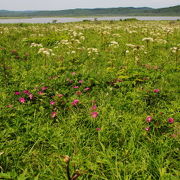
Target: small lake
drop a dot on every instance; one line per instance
(67, 19)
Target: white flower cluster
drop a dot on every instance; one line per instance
(148, 39)
(92, 51)
(65, 42)
(135, 47)
(45, 51)
(175, 49)
(36, 45)
(160, 41)
(114, 44)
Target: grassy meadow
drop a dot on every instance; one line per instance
(90, 100)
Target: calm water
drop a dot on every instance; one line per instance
(64, 20)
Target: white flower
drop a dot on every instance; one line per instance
(148, 39)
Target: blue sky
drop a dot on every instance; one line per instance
(71, 4)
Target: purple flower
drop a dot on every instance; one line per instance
(94, 107)
(73, 73)
(94, 114)
(44, 88)
(147, 129)
(26, 92)
(170, 120)
(149, 119)
(60, 95)
(53, 114)
(87, 89)
(40, 92)
(52, 102)
(22, 100)
(75, 102)
(17, 93)
(31, 96)
(156, 90)
(98, 129)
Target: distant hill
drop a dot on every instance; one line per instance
(120, 11)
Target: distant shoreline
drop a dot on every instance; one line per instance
(95, 16)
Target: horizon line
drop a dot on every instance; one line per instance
(91, 8)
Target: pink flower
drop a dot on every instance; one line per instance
(40, 92)
(94, 107)
(98, 129)
(44, 88)
(52, 102)
(75, 102)
(81, 81)
(76, 87)
(171, 120)
(17, 93)
(26, 92)
(147, 129)
(31, 96)
(156, 90)
(53, 114)
(148, 119)
(94, 114)
(22, 100)
(73, 73)
(59, 95)
(87, 89)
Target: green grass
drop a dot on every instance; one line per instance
(98, 68)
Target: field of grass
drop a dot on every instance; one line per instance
(90, 100)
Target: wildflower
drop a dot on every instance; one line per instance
(147, 128)
(73, 73)
(40, 92)
(81, 81)
(59, 95)
(87, 89)
(26, 92)
(94, 107)
(114, 43)
(98, 129)
(94, 114)
(52, 102)
(76, 87)
(53, 114)
(148, 39)
(31, 96)
(17, 93)
(75, 102)
(148, 119)
(44, 88)
(171, 120)
(22, 100)
(156, 90)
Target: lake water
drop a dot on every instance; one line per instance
(66, 19)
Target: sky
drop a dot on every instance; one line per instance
(72, 4)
